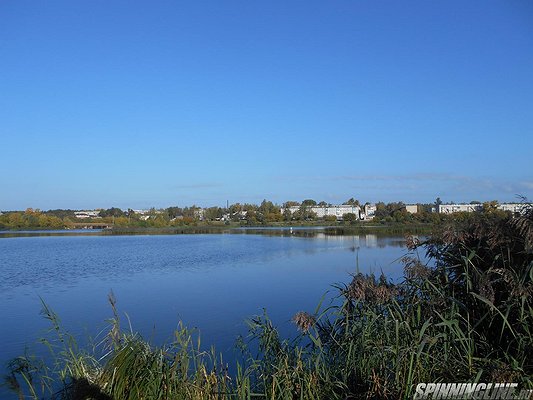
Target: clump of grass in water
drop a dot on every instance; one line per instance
(468, 319)
(126, 367)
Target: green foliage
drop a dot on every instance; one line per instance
(61, 213)
(174, 212)
(330, 218)
(112, 212)
(30, 219)
(268, 212)
(352, 202)
(291, 203)
(214, 213)
(304, 213)
(350, 217)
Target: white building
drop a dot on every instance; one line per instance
(411, 208)
(326, 211)
(452, 208)
(87, 214)
(515, 208)
(370, 212)
(199, 213)
(141, 212)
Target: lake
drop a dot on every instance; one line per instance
(210, 281)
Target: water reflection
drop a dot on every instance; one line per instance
(369, 240)
(59, 232)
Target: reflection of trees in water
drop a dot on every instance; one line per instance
(16, 234)
(368, 240)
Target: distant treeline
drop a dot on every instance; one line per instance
(266, 213)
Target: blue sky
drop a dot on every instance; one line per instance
(140, 104)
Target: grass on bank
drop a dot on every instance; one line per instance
(469, 318)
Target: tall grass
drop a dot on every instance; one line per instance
(467, 318)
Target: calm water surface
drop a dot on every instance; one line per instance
(213, 282)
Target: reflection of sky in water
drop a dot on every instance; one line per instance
(209, 281)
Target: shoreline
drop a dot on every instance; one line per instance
(275, 230)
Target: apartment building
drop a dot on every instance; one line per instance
(338, 211)
(452, 208)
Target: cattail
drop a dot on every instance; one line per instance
(304, 321)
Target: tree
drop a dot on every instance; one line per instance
(235, 212)
(213, 213)
(192, 213)
(352, 202)
(290, 203)
(387, 212)
(111, 212)
(287, 214)
(268, 212)
(490, 206)
(330, 218)
(309, 202)
(304, 213)
(349, 217)
(251, 217)
(61, 213)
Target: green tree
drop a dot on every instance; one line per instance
(350, 217)
(213, 213)
(174, 212)
(251, 217)
(304, 213)
(290, 203)
(352, 202)
(287, 214)
(111, 212)
(390, 212)
(490, 207)
(268, 212)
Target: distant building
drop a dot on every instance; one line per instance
(453, 208)
(141, 212)
(87, 214)
(515, 208)
(411, 208)
(369, 211)
(199, 213)
(326, 211)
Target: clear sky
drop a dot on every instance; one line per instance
(160, 103)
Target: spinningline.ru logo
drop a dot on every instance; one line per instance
(492, 391)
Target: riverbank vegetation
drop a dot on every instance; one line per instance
(391, 215)
(464, 316)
